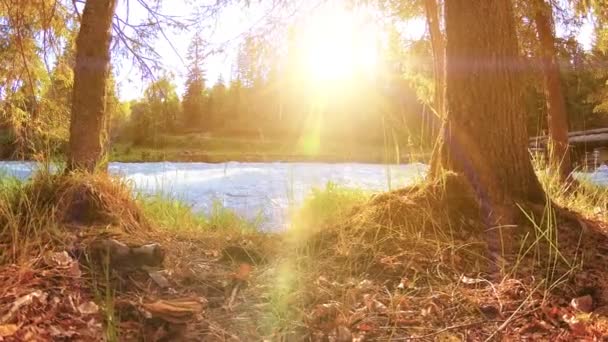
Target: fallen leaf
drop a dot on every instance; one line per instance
(74, 270)
(367, 327)
(403, 284)
(489, 310)
(243, 272)
(212, 253)
(471, 281)
(175, 310)
(7, 330)
(88, 308)
(365, 283)
(449, 337)
(23, 301)
(372, 304)
(583, 304)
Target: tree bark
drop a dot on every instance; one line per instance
(91, 73)
(484, 135)
(557, 117)
(438, 48)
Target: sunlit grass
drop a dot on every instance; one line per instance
(331, 203)
(169, 213)
(583, 196)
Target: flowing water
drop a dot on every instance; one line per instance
(254, 190)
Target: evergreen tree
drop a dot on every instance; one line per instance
(88, 118)
(217, 103)
(557, 115)
(195, 101)
(484, 137)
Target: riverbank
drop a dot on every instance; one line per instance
(201, 148)
(394, 266)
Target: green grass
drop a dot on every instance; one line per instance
(329, 204)
(586, 198)
(30, 211)
(172, 214)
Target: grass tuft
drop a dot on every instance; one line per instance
(169, 213)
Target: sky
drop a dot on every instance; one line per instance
(224, 32)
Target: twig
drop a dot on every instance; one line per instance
(235, 290)
(441, 331)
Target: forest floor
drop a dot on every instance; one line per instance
(89, 262)
(202, 148)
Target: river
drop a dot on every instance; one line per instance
(258, 190)
(254, 190)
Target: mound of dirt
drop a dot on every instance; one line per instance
(424, 262)
(403, 222)
(90, 200)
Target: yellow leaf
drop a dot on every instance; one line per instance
(7, 330)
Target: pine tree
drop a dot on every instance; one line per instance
(557, 115)
(485, 140)
(195, 101)
(217, 103)
(88, 118)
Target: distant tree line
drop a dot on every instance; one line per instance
(267, 97)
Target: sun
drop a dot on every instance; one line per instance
(338, 45)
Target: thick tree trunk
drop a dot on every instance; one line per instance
(91, 73)
(484, 137)
(557, 117)
(438, 47)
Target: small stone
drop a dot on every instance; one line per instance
(583, 304)
(148, 255)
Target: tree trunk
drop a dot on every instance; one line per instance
(484, 136)
(438, 48)
(557, 117)
(91, 73)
